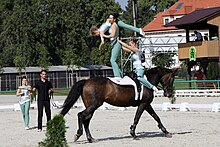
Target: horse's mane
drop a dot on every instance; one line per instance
(157, 69)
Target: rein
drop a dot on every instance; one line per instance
(52, 101)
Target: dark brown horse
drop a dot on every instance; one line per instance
(96, 91)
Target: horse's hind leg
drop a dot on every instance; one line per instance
(86, 126)
(151, 111)
(82, 116)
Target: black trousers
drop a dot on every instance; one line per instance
(40, 106)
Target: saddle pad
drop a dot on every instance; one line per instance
(127, 81)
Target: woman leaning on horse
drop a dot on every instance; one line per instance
(136, 60)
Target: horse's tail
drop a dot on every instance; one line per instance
(73, 96)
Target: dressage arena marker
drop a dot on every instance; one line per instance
(216, 107)
(166, 106)
(184, 107)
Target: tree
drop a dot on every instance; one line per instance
(44, 57)
(50, 32)
(213, 71)
(145, 13)
(163, 59)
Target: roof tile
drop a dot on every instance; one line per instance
(179, 9)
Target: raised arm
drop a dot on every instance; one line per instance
(128, 47)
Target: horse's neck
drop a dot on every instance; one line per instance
(154, 79)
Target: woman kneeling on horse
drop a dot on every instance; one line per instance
(137, 65)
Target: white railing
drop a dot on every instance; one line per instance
(193, 93)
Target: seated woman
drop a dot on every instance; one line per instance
(136, 58)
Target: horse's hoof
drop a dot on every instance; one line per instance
(133, 135)
(168, 135)
(136, 138)
(75, 137)
(91, 140)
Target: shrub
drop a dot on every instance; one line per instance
(55, 135)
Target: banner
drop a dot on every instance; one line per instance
(192, 53)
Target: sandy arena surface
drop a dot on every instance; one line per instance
(197, 128)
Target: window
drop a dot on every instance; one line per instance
(179, 6)
(166, 21)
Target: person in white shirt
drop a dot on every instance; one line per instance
(95, 31)
(24, 91)
(137, 65)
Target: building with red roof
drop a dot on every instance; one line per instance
(179, 9)
(161, 38)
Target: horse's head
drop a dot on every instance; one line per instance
(167, 80)
(163, 76)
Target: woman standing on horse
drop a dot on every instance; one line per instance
(137, 65)
(116, 46)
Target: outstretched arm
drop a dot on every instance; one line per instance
(128, 47)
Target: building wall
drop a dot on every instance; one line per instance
(59, 79)
(165, 42)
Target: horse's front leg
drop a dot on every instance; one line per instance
(151, 111)
(138, 114)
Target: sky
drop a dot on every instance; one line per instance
(123, 3)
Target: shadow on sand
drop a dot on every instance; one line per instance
(140, 135)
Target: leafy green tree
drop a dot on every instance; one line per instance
(44, 56)
(163, 59)
(101, 56)
(15, 35)
(144, 12)
(51, 32)
(213, 71)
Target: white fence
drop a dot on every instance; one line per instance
(193, 93)
(166, 106)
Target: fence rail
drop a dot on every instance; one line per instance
(196, 84)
